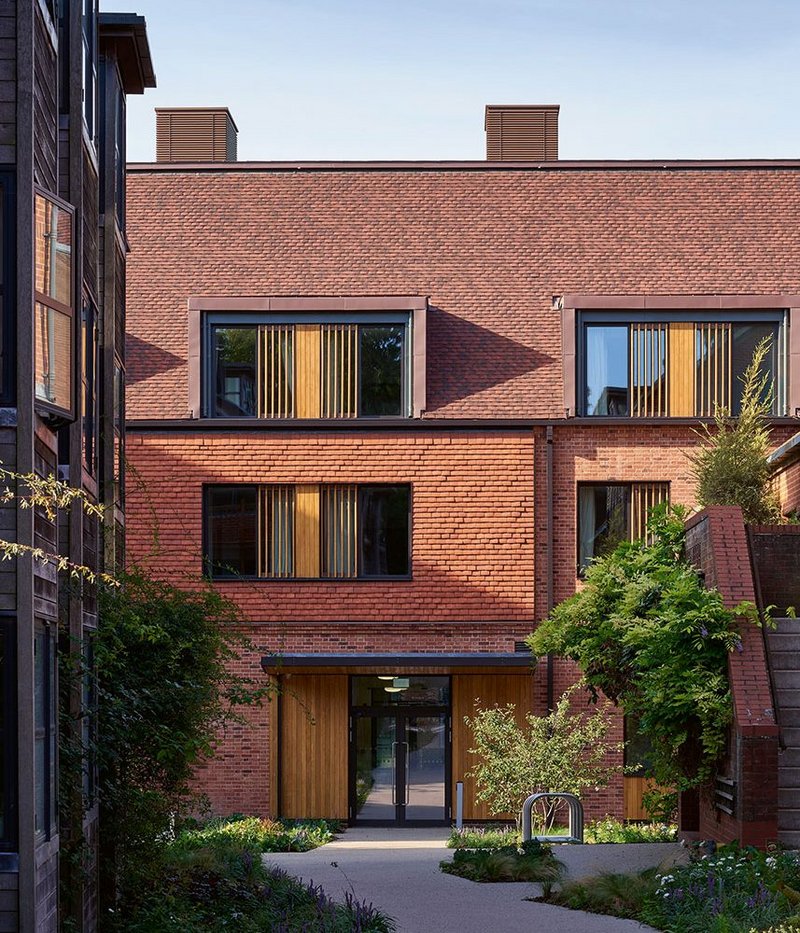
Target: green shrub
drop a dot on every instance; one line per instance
(613, 894)
(609, 830)
(258, 834)
(529, 861)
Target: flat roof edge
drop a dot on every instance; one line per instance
(467, 166)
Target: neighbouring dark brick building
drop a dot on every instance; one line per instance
(392, 408)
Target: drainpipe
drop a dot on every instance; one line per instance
(550, 556)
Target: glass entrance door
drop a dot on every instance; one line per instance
(400, 754)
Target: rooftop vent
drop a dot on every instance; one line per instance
(195, 134)
(522, 132)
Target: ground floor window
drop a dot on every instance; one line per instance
(8, 736)
(45, 729)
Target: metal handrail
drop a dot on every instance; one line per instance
(575, 818)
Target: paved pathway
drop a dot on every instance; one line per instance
(398, 870)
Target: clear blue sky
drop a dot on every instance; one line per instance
(408, 79)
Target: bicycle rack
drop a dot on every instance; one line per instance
(575, 819)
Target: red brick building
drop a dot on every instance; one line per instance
(391, 408)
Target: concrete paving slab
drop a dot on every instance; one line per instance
(398, 871)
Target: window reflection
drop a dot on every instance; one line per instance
(606, 370)
(235, 355)
(381, 364)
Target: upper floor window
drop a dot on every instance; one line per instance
(609, 513)
(308, 531)
(683, 365)
(304, 368)
(89, 42)
(53, 309)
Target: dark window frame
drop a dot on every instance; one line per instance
(10, 834)
(584, 319)
(211, 320)
(50, 756)
(39, 298)
(8, 291)
(207, 562)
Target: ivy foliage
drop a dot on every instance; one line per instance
(655, 641)
(166, 681)
(730, 466)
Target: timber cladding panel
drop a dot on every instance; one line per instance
(483, 691)
(313, 756)
(490, 248)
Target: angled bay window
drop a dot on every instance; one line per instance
(609, 513)
(53, 304)
(310, 358)
(676, 364)
(308, 531)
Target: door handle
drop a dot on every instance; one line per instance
(408, 773)
(394, 774)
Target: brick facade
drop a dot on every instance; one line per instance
(491, 249)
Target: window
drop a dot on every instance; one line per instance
(611, 513)
(306, 368)
(53, 308)
(45, 729)
(89, 35)
(89, 372)
(308, 531)
(89, 720)
(677, 366)
(7, 266)
(8, 740)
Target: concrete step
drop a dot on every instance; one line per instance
(788, 716)
(789, 798)
(785, 660)
(788, 819)
(786, 680)
(784, 627)
(788, 776)
(791, 737)
(789, 758)
(790, 838)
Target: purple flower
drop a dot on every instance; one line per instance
(739, 647)
(704, 631)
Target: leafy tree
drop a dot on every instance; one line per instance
(165, 683)
(730, 466)
(655, 641)
(563, 751)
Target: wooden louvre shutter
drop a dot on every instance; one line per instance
(714, 376)
(307, 356)
(644, 496)
(277, 371)
(681, 369)
(276, 541)
(338, 531)
(306, 531)
(649, 362)
(338, 352)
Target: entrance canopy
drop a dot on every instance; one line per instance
(273, 663)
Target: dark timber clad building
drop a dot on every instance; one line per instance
(65, 71)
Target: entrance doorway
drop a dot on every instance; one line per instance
(400, 750)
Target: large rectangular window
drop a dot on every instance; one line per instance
(676, 366)
(308, 531)
(305, 368)
(611, 513)
(53, 308)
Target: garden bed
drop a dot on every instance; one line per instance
(213, 878)
(599, 831)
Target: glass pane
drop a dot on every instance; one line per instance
(381, 369)
(638, 748)
(746, 338)
(232, 520)
(425, 757)
(383, 514)
(53, 356)
(234, 360)
(40, 729)
(5, 668)
(401, 690)
(52, 712)
(602, 520)
(376, 746)
(53, 251)
(606, 368)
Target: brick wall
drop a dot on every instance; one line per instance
(491, 248)
(716, 543)
(776, 556)
(787, 485)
